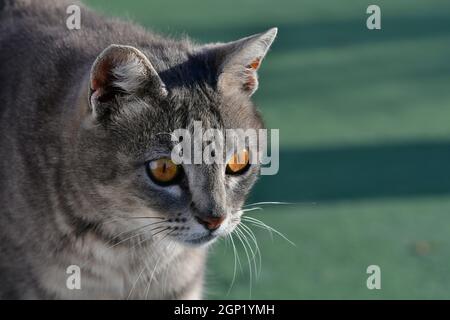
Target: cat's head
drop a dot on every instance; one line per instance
(136, 101)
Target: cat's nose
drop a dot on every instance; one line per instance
(211, 223)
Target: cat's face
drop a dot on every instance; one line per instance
(136, 110)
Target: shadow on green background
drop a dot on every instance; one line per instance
(365, 136)
(360, 172)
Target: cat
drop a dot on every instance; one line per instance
(86, 178)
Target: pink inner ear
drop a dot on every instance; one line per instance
(250, 81)
(101, 75)
(255, 64)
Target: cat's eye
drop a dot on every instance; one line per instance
(163, 171)
(238, 163)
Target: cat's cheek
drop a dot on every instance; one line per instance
(233, 183)
(174, 191)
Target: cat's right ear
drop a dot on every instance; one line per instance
(238, 62)
(121, 70)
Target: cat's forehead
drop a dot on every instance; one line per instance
(194, 96)
(214, 110)
(151, 123)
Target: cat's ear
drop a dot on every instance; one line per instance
(122, 70)
(238, 61)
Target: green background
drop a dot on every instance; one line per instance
(364, 119)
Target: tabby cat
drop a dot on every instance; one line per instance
(86, 177)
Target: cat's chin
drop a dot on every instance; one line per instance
(201, 241)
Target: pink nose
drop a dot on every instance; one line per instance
(210, 223)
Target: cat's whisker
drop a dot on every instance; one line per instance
(157, 233)
(269, 203)
(151, 277)
(120, 218)
(248, 259)
(258, 224)
(166, 272)
(244, 236)
(136, 235)
(266, 203)
(130, 232)
(146, 267)
(261, 224)
(166, 235)
(168, 247)
(226, 241)
(251, 209)
(136, 281)
(134, 231)
(253, 259)
(253, 237)
(236, 257)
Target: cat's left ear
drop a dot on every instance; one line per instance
(238, 61)
(121, 70)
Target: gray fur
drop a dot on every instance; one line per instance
(72, 174)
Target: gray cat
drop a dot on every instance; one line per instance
(85, 172)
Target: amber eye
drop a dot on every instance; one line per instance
(163, 171)
(239, 163)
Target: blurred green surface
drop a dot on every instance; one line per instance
(364, 119)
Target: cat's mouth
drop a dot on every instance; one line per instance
(203, 235)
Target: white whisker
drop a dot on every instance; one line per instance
(265, 203)
(251, 209)
(258, 224)
(136, 281)
(244, 236)
(261, 224)
(136, 234)
(151, 277)
(253, 237)
(248, 259)
(236, 259)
